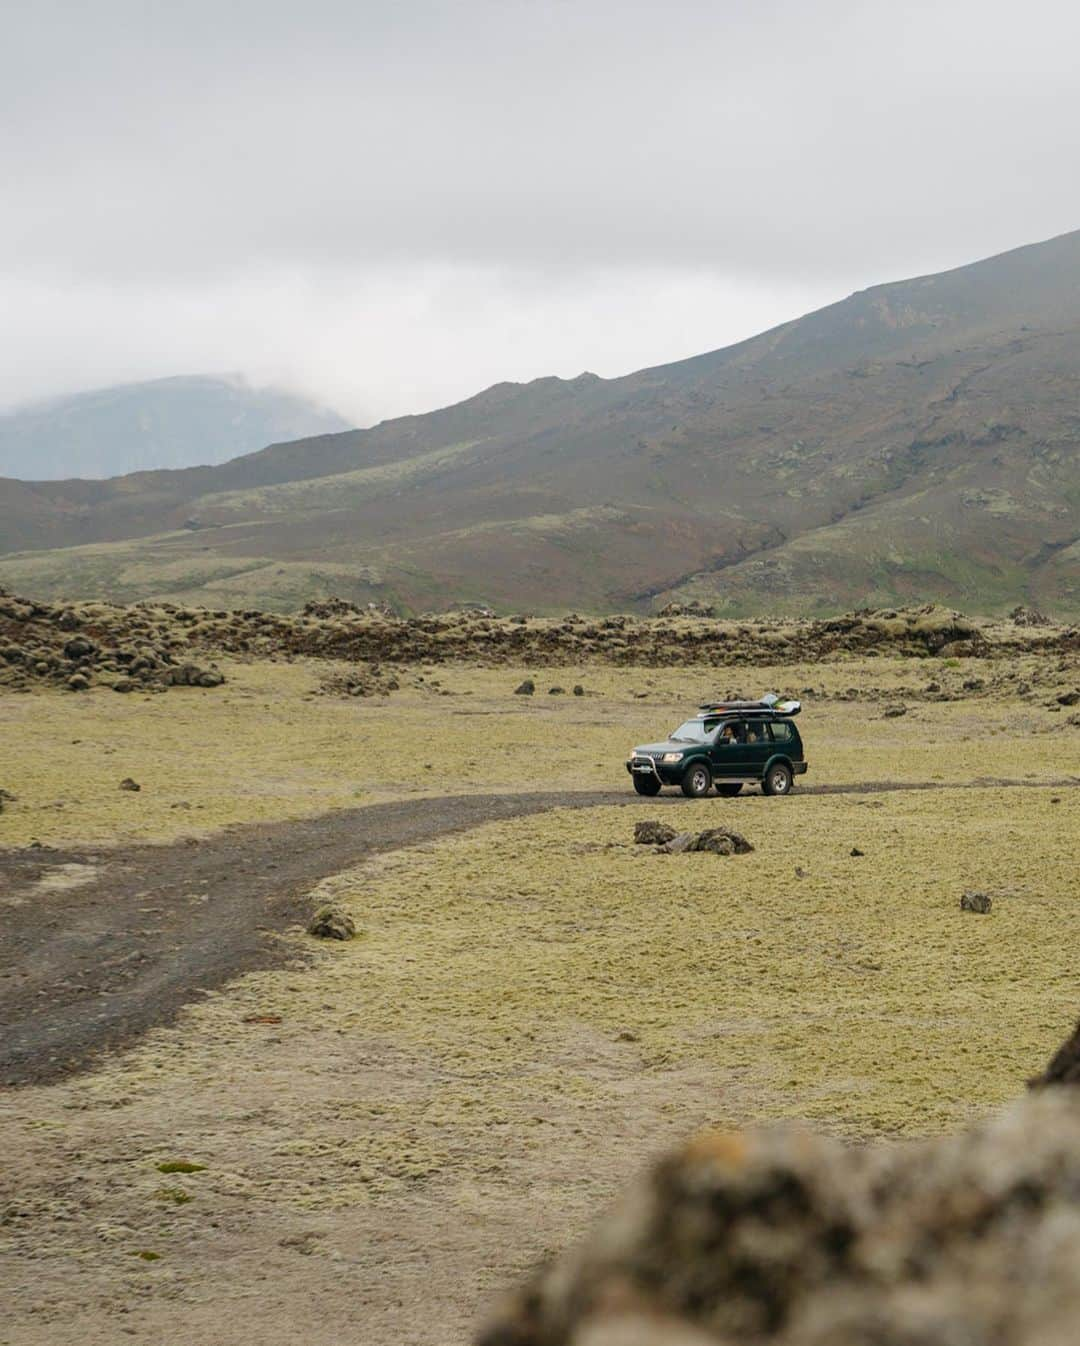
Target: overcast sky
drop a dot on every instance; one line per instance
(392, 205)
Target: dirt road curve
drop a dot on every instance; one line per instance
(96, 946)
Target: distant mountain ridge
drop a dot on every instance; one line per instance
(917, 441)
(164, 423)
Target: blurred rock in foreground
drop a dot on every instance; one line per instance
(792, 1239)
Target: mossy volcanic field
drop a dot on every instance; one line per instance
(389, 1131)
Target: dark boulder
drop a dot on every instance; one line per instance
(652, 833)
(331, 922)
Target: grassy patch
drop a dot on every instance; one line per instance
(262, 747)
(858, 997)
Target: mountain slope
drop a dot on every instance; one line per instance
(917, 440)
(166, 423)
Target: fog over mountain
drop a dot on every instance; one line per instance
(445, 195)
(166, 423)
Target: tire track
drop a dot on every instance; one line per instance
(87, 969)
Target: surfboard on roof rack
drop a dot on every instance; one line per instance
(769, 702)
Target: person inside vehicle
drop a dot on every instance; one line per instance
(730, 735)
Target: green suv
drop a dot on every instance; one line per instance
(729, 745)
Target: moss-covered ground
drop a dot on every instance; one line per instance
(369, 1144)
(264, 746)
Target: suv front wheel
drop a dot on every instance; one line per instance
(778, 780)
(697, 780)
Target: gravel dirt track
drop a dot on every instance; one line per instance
(99, 945)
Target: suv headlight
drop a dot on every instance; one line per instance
(672, 757)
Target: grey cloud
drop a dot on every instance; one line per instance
(806, 146)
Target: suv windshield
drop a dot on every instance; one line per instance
(694, 731)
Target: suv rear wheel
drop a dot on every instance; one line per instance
(778, 780)
(647, 785)
(697, 780)
(728, 788)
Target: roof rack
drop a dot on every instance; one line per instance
(767, 705)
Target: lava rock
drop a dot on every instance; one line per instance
(784, 1237)
(526, 688)
(678, 845)
(331, 923)
(980, 903)
(721, 841)
(652, 833)
(128, 784)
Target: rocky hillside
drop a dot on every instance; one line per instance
(916, 441)
(165, 423)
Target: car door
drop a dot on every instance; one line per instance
(759, 747)
(729, 754)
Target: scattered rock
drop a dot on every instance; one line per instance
(556, 691)
(128, 784)
(1068, 698)
(526, 688)
(651, 833)
(364, 680)
(121, 647)
(1029, 617)
(578, 689)
(157, 644)
(800, 873)
(721, 841)
(855, 851)
(332, 923)
(893, 712)
(682, 841)
(715, 840)
(977, 902)
(627, 1036)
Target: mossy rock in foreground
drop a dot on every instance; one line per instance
(798, 1240)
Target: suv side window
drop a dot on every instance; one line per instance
(781, 731)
